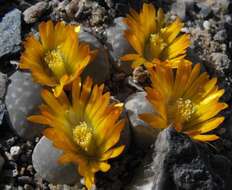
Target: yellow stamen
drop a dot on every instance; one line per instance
(185, 108)
(155, 46)
(158, 41)
(55, 62)
(82, 135)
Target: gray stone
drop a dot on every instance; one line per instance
(136, 104)
(180, 163)
(2, 111)
(15, 151)
(143, 175)
(73, 7)
(119, 45)
(192, 55)
(33, 13)
(206, 25)
(221, 5)
(65, 187)
(220, 36)
(45, 161)
(133, 83)
(205, 10)
(214, 5)
(10, 32)
(22, 100)
(3, 81)
(220, 62)
(228, 18)
(2, 161)
(99, 68)
(179, 8)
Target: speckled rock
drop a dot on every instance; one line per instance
(45, 161)
(3, 81)
(179, 9)
(119, 45)
(215, 5)
(22, 100)
(65, 187)
(33, 13)
(10, 32)
(180, 163)
(2, 111)
(220, 62)
(137, 104)
(73, 7)
(99, 68)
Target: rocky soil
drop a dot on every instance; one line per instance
(173, 161)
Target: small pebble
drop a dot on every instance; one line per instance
(30, 169)
(15, 151)
(7, 187)
(8, 155)
(140, 75)
(185, 30)
(15, 173)
(33, 13)
(22, 171)
(206, 25)
(20, 188)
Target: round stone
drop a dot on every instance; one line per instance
(45, 161)
(99, 68)
(119, 45)
(22, 100)
(136, 104)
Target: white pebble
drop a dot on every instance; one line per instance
(15, 151)
(206, 25)
(185, 30)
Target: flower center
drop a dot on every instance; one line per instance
(185, 109)
(82, 135)
(157, 41)
(55, 62)
(155, 46)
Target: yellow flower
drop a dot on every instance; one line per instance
(86, 128)
(57, 58)
(154, 40)
(185, 99)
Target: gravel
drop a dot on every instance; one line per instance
(10, 30)
(33, 13)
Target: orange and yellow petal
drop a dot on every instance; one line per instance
(182, 97)
(153, 39)
(57, 58)
(84, 124)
